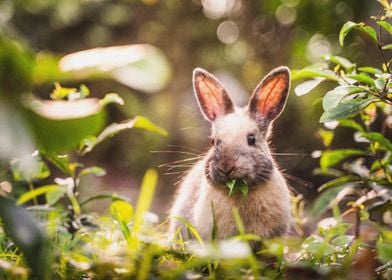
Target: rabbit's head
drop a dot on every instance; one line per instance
(239, 135)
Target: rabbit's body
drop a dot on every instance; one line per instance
(240, 152)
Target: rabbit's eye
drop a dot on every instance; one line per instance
(251, 139)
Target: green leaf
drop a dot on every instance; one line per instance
(29, 237)
(370, 31)
(387, 47)
(112, 196)
(380, 83)
(323, 201)
(191, 228)
(27, 196)
(344, 62)
(333, 97)
(307, 86)
(19, 172)
(121, 211)
(345, 109)
(384, 251)
(378, 137)
(145, 198)
(362, 78)
(110, 98)
(346, 29)
(370, 70)
(62, 125)
(333, 157)
(315, 73)
(53, 196)
(351, 124)
(94, 170)
(326, 136)
(386, 25)
(115, 128)
(338, 182)
(236, 186)
(60, 161)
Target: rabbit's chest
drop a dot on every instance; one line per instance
(265, 211)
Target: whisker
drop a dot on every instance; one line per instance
(290, 154)
(180, 161)
(178, 152)
(185, 147)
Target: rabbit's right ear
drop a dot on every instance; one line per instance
(212, 97)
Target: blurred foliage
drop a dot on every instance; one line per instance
(145, 50)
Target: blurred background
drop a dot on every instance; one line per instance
(161, 41)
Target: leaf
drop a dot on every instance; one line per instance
(142, 67)
(370, 70)
(315, 73)
(345, 109)
(94, 170)
(61, 125)
(326, 136)
(110, 98)
(145, 198)
(346, 29)
(387, 47)
(384, 251)
(27, 196)
(351, 124)
(191, 228)
(333, 97)
(378, 137)
(323, 201)
(60, 92)
(363, 78)
(29, 237)
(338, 182)
(380, 83)
(333, 157)
(60, 161)
(115, 128)
(21, 173)
(344, 62)
(386, 25)
(121, 211)
(370, 31)
(307, 86)
(236, 186)
(112, 196)
(53, 196)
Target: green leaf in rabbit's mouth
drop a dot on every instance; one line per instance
(236, 186)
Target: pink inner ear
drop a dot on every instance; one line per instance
(211, 97)
(271, 94)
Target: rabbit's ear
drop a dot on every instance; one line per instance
(212, 97)
(269, 97)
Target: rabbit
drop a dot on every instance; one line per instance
(240, 151)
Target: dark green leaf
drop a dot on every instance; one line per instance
(338, 182)
(307, 86)
(60, 161)
(28, 236)
(333, 157)
(323, 201)
(384, 251)
(378, 137)
(345, 109)
(347, 28)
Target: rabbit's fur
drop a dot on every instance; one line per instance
(239, 152)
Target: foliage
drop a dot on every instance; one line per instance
(361, 101)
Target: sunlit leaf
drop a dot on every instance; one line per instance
(333, 97)
(28, 236)
(386, 25)
(111, 196)
(110, 98)
(380, 83)
(27, 196)
(345, 109)
(307, 86)
(387, 47)
(363, 78)
(384, 250)
(315, 73)
(142, 67)
(347, 64)
(121, 210)
(53, 196)
(115, 128)
(370, 70)
(326, 136)
(94, 170)
(370, 31)
(333, 157)
(145, 198)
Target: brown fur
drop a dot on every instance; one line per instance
(265, 211)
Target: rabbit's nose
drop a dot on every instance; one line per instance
(226, 168)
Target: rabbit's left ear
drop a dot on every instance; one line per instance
(269, 97)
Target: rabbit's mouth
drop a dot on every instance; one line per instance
(255, 176)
